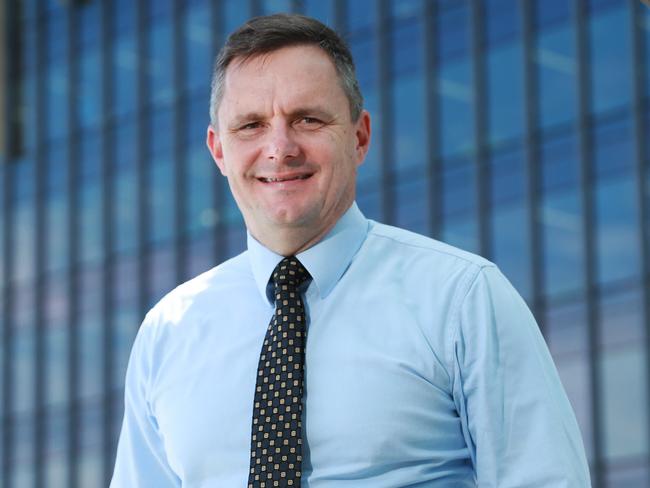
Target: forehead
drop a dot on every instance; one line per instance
(294, 73)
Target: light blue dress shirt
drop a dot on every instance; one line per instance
(424, 368)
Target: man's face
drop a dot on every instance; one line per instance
(286, 141)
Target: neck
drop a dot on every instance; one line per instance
(290, 241)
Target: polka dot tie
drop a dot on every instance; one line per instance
(276, 444)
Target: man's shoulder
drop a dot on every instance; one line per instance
(412, 243)
(207, 287)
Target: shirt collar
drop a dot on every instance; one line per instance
(326, 261)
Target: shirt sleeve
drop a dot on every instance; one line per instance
(516, 418)
(141, 460)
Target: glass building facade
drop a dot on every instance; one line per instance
(517, 129)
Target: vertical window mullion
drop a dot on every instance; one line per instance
(586, 191)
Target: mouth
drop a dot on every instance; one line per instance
(283, 179)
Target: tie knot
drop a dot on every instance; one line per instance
(290, 272)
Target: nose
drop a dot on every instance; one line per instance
(281, 145)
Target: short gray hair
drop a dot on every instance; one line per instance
(262, 35)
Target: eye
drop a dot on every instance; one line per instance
(309, 122)
(250, 126)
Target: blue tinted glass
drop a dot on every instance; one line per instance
(610, 58)
(123, 15)
(235, 13)
(322, 10)
(628, 477)
(364, 51)
(90, 222)
(644, 20)
(58, 167)
(505, 92)
(412, 204)
(56, 438)
(617, 242)
(409, 124)
(124, 327)
(24, 238)
(23, 365)
(125, 211)
(56, 94)
(162, 129)
(90, 333)
(160, 8)
(89, 98)
(23, 452)
(562, 242)
(235, 239)
(90, 461)
(90, 164)
(566, 329)
(370, 169)
(551, 12)
(57, 242)
(621, 317)
(508, 176)
(456, 101)
(24, 182)
(574, 372)
(461, 231)
(559, 162)
(161, 200)
(406, 8)
(199, 254)
(56, 35)
(459, 189)
(56, 343)
(163, 275)
(88, 22)
(201, 174)
(556, 66)
(503, 19)
(511, 245)
(125, 75)
(159, 65)
(274, 6)
(369, 200)
(613, 147)
(197, 47)
(125, 145)
(625, 412)
(362, 15)
(453, 25)
(407, 46)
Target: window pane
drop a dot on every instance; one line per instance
(562, 242)
(511, 245)
(56, 341)
(574, 373)
(628, 477)
(91, 345)
(159, 66)
(505, 91)
(161, 200)
(555, 58)
(624, 398)
(455, 89)
(124, 69)
(617, 242)
(412, 210)
(409, 124)
(566, 329)
(90, 463)
(461, 231)
(56, 437)
(197, 45)
(621, 316)
(610, 58)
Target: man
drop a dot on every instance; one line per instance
(390, 360)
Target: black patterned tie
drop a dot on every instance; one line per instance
(276, 444)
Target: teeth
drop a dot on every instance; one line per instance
(275, 180)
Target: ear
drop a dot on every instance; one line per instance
(213, 141)
(362, 133)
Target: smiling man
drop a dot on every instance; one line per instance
(335, 351)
